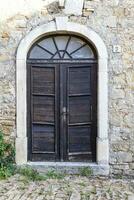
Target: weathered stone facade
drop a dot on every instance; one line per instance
(113, 20)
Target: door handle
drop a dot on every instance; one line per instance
(64, 112)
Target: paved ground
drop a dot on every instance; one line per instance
(69, 188)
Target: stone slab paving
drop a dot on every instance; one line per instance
(69, 188)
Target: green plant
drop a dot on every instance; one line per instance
(7, 155)
(54, 175)
(85, 171)
(82, 184)
(31, 174)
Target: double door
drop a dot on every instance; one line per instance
(62, 112)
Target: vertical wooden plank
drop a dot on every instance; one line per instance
(66, 114)
(63, 111)
(61, 114)
(57, 115)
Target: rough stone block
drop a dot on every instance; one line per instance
(87, 13)
(61, 3)
(132, 165)
(20, 23)
(88, 8)
(5, 35)
(75, 195)
(111, 21)
(73, 7)
(124, 157)
(88, 4)
(131, 197)
(120, 146)
(61, 22)
(116, 2)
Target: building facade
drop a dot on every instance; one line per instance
(67, 82)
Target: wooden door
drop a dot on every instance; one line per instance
(62, 111)
(43, 112)
(79, 111)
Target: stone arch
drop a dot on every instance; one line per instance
(61, 24)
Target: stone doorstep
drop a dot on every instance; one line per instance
(69, 167)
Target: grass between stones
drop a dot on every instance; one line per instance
(86, 171)
(33, 175)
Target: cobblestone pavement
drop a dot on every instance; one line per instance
(69, 188)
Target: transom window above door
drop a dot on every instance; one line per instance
(61, 47)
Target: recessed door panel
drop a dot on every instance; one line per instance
(43, 138)
(79, 80)
(43, 80)
(43, 109)
(79, 109)
(79, 139)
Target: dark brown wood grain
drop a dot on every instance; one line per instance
(62, 111)
(43, 80)
(80, 117)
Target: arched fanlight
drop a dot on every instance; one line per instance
(61, 47)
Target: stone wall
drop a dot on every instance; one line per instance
(113, 20)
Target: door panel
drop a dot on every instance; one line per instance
(43, 139)
(43, 80)
(43, 109)
(79, 80)
(79, 109)
(79, 138)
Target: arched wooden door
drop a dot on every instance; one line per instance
(62, 99)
